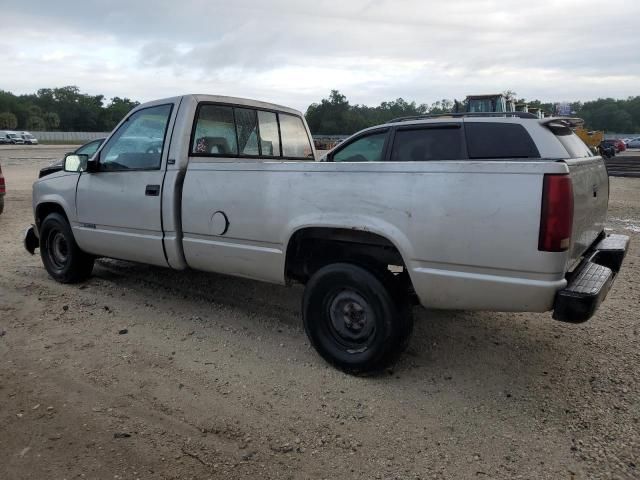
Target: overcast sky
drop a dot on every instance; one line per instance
(294, 52)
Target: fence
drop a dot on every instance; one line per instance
(71, 137)
(621, 135)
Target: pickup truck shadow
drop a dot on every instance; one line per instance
(249, 296)
(477, 346)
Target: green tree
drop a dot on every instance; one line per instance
(336, 116)
(611, 115)
(116, 111)
(332, 115)
(441, 106)
(34, 111)
(52, 120)
(632, 107)
(8, 121)
(36, 123)
(510, 95)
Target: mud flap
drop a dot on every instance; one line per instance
(31, 240)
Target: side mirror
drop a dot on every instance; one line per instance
(92, 164)
(75, 162)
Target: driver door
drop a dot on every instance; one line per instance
(119, 205)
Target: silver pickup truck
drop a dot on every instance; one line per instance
(477, 212)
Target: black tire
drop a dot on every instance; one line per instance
(1, 204)
(353, 318)
(60, 253)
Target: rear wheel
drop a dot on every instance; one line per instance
(60, 253)
(353, 318)
(1, 203)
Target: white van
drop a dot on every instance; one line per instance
(11, 137)
(28, 138)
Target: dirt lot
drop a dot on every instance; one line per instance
(215, 378)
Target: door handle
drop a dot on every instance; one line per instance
(152, 190)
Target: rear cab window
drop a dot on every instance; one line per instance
(247, 131)
(572, 143)
(295, 141)
(269, 134)
(244, 132)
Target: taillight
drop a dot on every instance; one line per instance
(2, 186)
(557, 213)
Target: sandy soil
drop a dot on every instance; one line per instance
(215, 378)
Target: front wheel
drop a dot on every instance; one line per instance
(353, 319)
(60, 253)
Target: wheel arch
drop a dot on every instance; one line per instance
(310, 247)
(46, 208)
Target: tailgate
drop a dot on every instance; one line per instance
(590, 202)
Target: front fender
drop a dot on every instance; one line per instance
(60, 189)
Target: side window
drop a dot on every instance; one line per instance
(215, 131)
(574, 145)
(295, 141)
(247, 129)
(90, 148)
(364, 149)
(138, 143)
(269, 137)
(424, 144)
(486, 140)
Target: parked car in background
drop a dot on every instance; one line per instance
(4, 135)
(86, 149)
(15, 138)
(634, 143)
(28, 138)
(607, 149)
(620, 145)
(3, 190)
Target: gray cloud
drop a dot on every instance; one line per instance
(295, 52)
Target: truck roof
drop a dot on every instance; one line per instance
(245, 102)
(450, 116)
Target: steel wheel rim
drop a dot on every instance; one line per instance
(58, 249)
(352, 321)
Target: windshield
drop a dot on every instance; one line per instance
(487, 105)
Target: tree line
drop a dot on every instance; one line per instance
(68, 109)
(61, 109)
(334, 115)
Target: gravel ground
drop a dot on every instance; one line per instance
(147, 373)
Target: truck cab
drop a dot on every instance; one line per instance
(488, 103)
